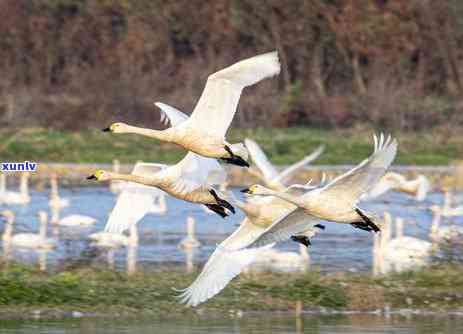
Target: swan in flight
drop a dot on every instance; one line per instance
(27, 240)
(268, 173)
(204, 131)
(336, 201)
(13, 197)
(190, 180)
(418, 187)
(229, 258)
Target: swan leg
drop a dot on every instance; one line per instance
(320, 226)
(367, 224)
(234, 159)
(217, 209)
(222, 202)
(302, 239)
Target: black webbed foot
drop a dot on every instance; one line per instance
(367, 220)
(234, 159)
(222, 202)
(302, 240)
(320, 226)
(217, 209)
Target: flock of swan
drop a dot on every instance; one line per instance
(274, 212)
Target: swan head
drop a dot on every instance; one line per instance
(117, 128)
(257, 189)
(8, 215)
(100, 175)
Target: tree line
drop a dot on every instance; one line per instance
(74, 64)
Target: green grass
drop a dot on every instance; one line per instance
(110, 293)
(284, 146)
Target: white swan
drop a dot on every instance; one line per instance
(418, 187)
(402, 252)
(13, 197)
(27, 240)
(276, 260)
(116, 186)
(451, 232)
(336, 201)
(74, 220)
(268, 173)
(204, 132)
(190, 240)
(115, 240)
(229, 259)
(55, 200)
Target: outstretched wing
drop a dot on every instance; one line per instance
(294, 222)
(170, 114)
(260, 159)
(217, 105)
(135, 200)
(195, 171)
(349, 186)
(223, 265)
(299, 165)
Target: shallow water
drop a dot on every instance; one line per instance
(338, 248)
(264, 323)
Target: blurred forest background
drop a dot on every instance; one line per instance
(75, 64)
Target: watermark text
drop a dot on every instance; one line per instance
(25, 166)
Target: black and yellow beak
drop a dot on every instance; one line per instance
(108, 129)
(91, 177)
(246, 191)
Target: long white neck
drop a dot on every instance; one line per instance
(54, 214)
(447, 200)
(2, 183)
(156, 134)
(399, 227)
(23, 186)
(436, 217)
(297, 201)
(8, 231)
(116, 166)
(54, 188)
(149, 181)
(190, 228)
(133, 235)
(43, 227)
(386, 230)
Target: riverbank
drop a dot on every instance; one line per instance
(284, 146)
(28, 293)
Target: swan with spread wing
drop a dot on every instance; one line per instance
(191, 179)
(204, 132)
(268, 173)
(336, 201)
(229, 259)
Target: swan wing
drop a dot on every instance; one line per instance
(217, 105)
(135, 200)
(170, 114)
(299, 165)
(348, 187)
(260, 159)
(225, 263)
(195, 171)
(292, 223)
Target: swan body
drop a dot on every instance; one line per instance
(204, 132)
(115, 240)
(28, 240)
(229, 258)
(13, 197)
(418, 187)
(268, 173)
(452, 232)
(336, 201)
(77, 220)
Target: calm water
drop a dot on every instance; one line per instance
(248, 324)
(338, 248)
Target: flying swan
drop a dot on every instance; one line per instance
(204, 132)
(336, 202)
(268, 173)
(191, 179)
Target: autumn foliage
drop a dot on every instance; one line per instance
(83, 63)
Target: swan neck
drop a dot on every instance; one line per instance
(149, 181)
(23, 187)
(156, 134)
(399, 225)
(190, 227)
(2, 183)
(435, 222)
(43, 229)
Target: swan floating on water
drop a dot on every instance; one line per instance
(204, 132)
(55, 200)
(13, 197)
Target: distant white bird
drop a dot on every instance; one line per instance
(191, 179)
(418, 187)
(13, 197)
(204, 132)
(55, 200)
(271, 177)
(336, 201)
(74, 220)
(229, 259)
(276, 260)
(115, 240)
(190, 240)
(402, 252)
(27, 240)
(450, 232)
